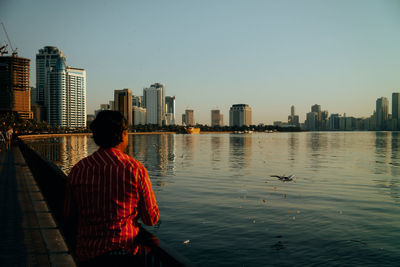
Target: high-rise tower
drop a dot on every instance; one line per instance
(396, 106)
(46, 59)
(382, 112)
(293, 119)
(216, 118)
(123, 103)
(170, 110)
(154, 102)
(15, 86)
(240, 115)
(189, 117)
(66, 103)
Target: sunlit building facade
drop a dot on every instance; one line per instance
(189, 117)
(123, 103)
(15, 86)
(154, 102)
(66, 105)
(216, 118)
(240, 115)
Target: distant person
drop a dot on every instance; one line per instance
(108, 192)
(9, 135)
(2, 140)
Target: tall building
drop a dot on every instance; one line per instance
(170, 110)
(323, 120)
(184, 119)
(46, 59)
(333, 122)
(66, 103)
(382, 112)
(154, 102)
(76, 97)
(396, 106)
(189, 117)
(312, 121)
(137, 101)
(15, 86)
(123, 103)
(316, 108)
(240, 115)
(293, 119)
(396, 111)
(139, 115)
(103, 107)
(217, 118)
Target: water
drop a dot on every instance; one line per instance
(215, 190)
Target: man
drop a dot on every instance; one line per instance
(2, 140)
(9, 135)
(108, 191)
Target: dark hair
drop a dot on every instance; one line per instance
(108, 127)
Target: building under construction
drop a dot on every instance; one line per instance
(15, 86)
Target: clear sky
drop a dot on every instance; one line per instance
(341, 54)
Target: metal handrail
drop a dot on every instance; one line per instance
(52, 183)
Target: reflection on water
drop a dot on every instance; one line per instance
(240, 147)
(388, 162)
(65, 152)
(217, 191)
(293, 145)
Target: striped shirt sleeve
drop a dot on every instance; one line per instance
(148, 207)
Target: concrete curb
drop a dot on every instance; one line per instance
(55, 245)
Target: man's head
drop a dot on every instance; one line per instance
(109, 128)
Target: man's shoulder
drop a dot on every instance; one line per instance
(130, 161)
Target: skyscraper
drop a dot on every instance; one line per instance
(293, 119)
(240, 115)
(123, 103)
(139, 115)
(396, 106)
(137, 101)
(46, 59)
(154, 104)
(316, 108)
(170, 110)
(66, 102)
(382, 112)
(312, 121)
(189, 117)
(15, 86)
(216, 118)
(396, 111)
(76, 97)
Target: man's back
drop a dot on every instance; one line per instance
(110, 190)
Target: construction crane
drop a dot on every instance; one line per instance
(3, 49)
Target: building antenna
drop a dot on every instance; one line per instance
(14, 51)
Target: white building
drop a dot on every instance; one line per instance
(66, 102)
(139, 115)
(76, 97)
(154, 102)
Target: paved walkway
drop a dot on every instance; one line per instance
(28, 234)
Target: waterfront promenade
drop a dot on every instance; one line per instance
(29, 235)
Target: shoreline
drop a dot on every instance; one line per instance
(39, 136)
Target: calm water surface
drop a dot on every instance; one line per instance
(216, 191)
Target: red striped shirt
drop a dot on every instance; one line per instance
(110, 191)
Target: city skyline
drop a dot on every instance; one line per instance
(268, 54)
